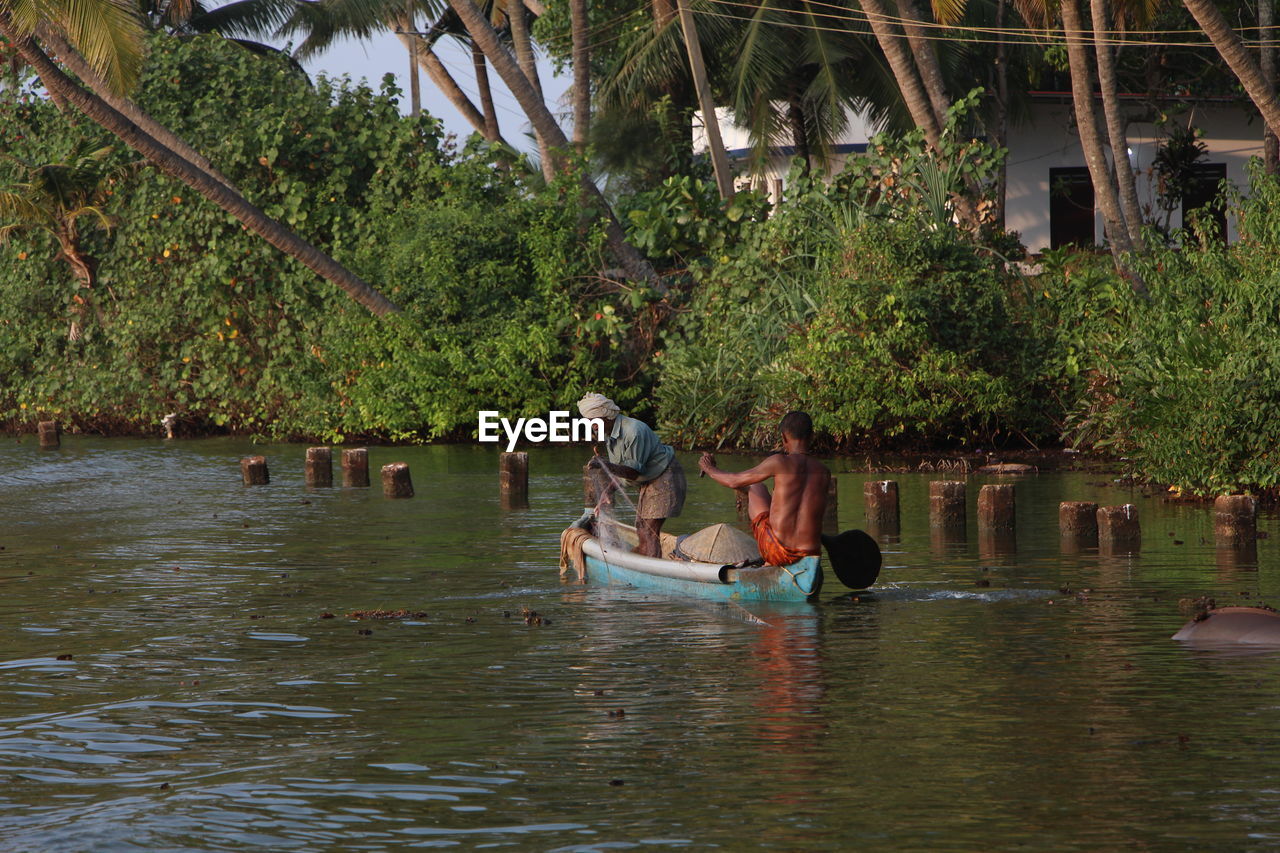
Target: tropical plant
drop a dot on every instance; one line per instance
(109, 35)
(66, 200)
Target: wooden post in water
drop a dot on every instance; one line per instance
(355, 468)
(1078, 525)
(831, 518)
(1118, 529)
(318, 470)
(395, 480)
(996, 507)
(742, 503)
(881, 497)
(254, 471)
(1235, 521)
(947, 503)
(513, 479)
(50, 435)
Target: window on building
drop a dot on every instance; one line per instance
(1070, 207)
(1201, 192)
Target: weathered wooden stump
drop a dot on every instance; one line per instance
(1118, 529)
(395, 480)
(742, 503)
(1078, 519)
(1235, 520)
(947, 503)
(50, 434)
(318, 470)
(881, 497)
(1077, 526)
(513, 479)
(831, 518)
(355, 468)
(254, 471)
(996, 510)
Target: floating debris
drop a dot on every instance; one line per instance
(384, 614)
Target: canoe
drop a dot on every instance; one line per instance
(616, 564)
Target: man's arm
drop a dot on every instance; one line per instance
(622, 471)
(766, 469)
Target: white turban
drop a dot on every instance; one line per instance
(595, 405)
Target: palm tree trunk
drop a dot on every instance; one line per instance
(581, 74)
(486, 94)
(528, 63)
(799, 134)
(1095, 157)
(1266, 20)
(904, 72)
(71, 58)
(482, 34)
(1116, 134)
(103, 114)
(415, 85)
(710, 121)
(430, 63)
(926, 59)
(1000, 119)
(1261, 91)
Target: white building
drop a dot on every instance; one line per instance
(1049, 196)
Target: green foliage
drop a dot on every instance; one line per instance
(1187, 386)
(685, 219)
(202, 318)
(863, 304)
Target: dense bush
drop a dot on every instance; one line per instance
(203, 318)
(1187, 385)
(862, 303)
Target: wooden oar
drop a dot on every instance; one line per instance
(855, 558)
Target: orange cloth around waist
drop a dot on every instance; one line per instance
(773, 551)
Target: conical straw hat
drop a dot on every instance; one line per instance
(719, 543)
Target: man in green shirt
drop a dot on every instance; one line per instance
(635, 453)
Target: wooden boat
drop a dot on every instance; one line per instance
(618, 564)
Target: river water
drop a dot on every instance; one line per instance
(168, 680)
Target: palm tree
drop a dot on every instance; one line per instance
(64, 200)
(1116, 134)
(111, 34)
(634, 265)
(1260, 90)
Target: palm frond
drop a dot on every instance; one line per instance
(109, 34)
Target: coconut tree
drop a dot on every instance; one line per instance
(65, 200)
(1116, 134)
(322, 22)
(634, 265)
(109, 36)
(1260, 90)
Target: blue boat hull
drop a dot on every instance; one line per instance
(798, 582)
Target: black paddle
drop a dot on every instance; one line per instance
(855, 558)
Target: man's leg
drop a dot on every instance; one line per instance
(758, 500)
(648, 531)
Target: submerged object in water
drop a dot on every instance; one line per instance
(1254, 626)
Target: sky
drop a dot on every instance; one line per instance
(384, 54)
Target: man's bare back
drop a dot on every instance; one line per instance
(798, 502)
(799, 499)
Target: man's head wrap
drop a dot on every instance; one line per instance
(595, 405)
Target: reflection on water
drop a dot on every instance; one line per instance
(178, 672)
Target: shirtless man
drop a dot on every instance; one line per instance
(788, 525)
